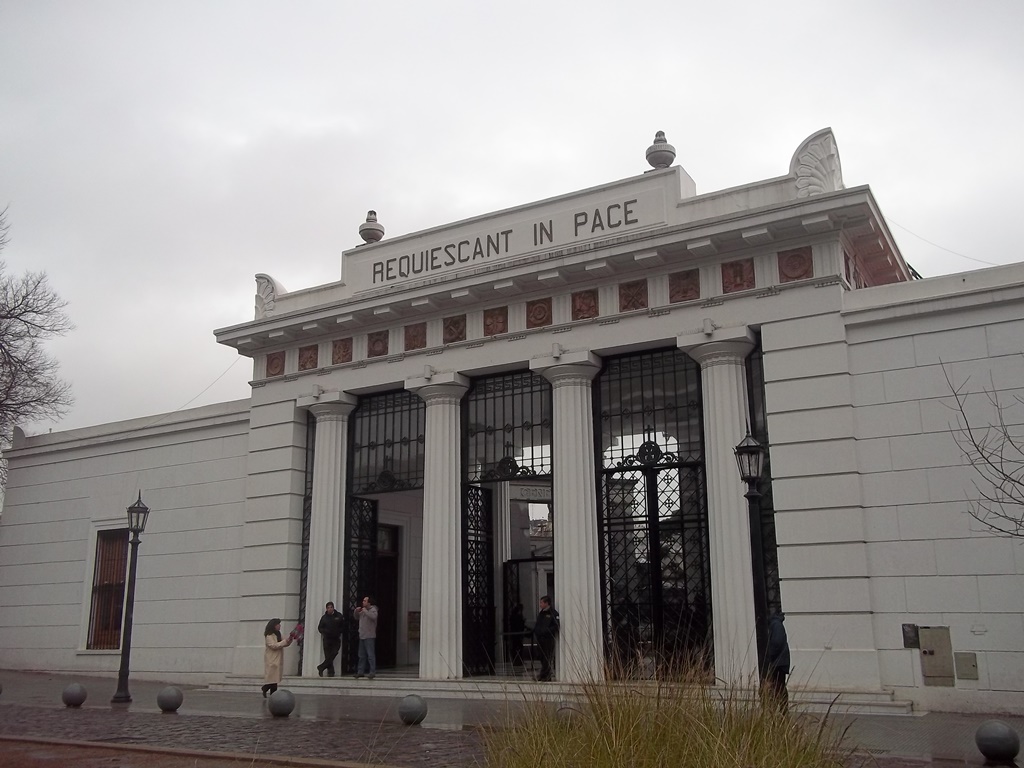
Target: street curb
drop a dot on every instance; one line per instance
(309, 762)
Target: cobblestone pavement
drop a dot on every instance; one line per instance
(350, 730)
(378, 743)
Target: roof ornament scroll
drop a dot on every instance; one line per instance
(816, 166)
(267, 291)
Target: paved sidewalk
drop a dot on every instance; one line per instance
(365, 729)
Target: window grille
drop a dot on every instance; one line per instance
(108, 590)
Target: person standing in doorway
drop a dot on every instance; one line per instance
(273, 655)
(330, 628)
(366, 615)
(544, 632)
(776, 662)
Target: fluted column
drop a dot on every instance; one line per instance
(577, 566)
(722, 357)
(327, 518)
(441, 599)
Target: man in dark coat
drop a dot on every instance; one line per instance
(330, 627)
(776, 661)
(544, 632)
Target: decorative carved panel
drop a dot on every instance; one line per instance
(275, 364)
(377, 344)
(495, 321)
(415, 336)
(584, 305)
(737, 275)
(308, 357)
(538, 313)
(632, 296)
(684, 286)
(454, 329)
(796, 264)
(341, 351)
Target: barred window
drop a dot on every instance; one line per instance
(108, 590)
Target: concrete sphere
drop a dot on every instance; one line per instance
(567, 711)
(412, 709)
(997, 741)
(169, 699)
(74, 695)
(281, 702)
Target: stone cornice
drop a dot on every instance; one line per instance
(727, 236)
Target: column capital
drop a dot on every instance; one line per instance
(328, 406)
(439, 387)
(578, 367)
(717, 346)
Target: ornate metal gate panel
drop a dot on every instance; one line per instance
(653, 516)
(307, 519)
(478, 618)
(361, 550)
(388, 438)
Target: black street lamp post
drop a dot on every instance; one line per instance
(750, 460)
(137, 515)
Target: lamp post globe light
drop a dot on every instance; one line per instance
(750, 461)
(138, 513)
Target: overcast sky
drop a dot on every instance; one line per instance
(156, 155)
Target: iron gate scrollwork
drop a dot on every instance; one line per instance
(478, 582)
(361, 547)
(653, 517)
(307, 519)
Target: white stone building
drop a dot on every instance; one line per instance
(603, 352)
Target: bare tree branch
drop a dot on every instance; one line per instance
(995, 451)
(30, 313)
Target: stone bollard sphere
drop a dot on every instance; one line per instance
(567, 711)
(74, 695)
(169, 699)
(997, 741)
(412, 709)
(281, 702)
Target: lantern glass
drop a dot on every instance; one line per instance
(749, 459)
(138, 513)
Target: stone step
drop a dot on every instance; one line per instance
(524, 687)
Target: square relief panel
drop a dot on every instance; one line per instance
(796, 264)
(275, 364)
(495, 321)
(632, 295)
(684, 286)
(454, 329)
(341, 351)
(737, 275)
(584, 305)
(415, 336)
(377, 344)
(308, 357)
(538, 313)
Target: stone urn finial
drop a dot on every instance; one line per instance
(660, 154)
(371, 231)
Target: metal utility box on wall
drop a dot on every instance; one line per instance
(936, 656)
(966, 666)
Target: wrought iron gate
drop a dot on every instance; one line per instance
(478, 615)
(654, 521)
(361, 549)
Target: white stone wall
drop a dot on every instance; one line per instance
(64, 488)
(930, 563)
(823, 560)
